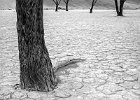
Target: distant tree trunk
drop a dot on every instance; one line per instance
(91, 7)
(56, 9)
(121, 7)
(116, 5)
(93, 3)
(57, 2)
(119, 10)
(66, 6)
(36, 72)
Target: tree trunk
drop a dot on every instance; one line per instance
(93, 3)
(66, 6)
(56, 9)
(91, 9)
(36, 72)
(121, 7)
(117, 8)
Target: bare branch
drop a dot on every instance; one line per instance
(55, 1)
(65, 1)
(95, 2)
(58, 1)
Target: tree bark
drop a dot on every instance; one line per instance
(36, 72)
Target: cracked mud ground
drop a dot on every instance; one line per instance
(110, 46)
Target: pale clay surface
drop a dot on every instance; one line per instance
(110, 45)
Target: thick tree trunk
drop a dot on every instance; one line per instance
(56, 9)
(66, 6)
(36, 72)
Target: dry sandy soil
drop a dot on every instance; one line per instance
(109, 44)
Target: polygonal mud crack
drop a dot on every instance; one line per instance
(109, 88)
(61, 94)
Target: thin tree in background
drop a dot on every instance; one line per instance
(67, 4)
(57, 2)
(36, 72)
(119, 9)
(93, 4)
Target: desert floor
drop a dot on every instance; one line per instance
(109, 45)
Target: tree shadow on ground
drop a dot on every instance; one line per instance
(62, 68)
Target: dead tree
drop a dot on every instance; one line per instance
(92, 5)
(67, 3)
(57, 2)
(36, 72)
(119, 9)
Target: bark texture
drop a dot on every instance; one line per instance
(119, 9)
(36, 72)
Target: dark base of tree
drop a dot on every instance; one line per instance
(35, 89)
(40, 79)
(66, 7)
(119, 9)
(119, 14)
(90, 11)
(56, 9)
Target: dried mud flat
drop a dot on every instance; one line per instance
(110, 46)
